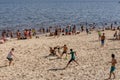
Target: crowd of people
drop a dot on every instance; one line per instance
(56, 51)
(53, 31)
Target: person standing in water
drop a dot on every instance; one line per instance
(113, 62)
(103, 39)
(10, 56)
(72, 58)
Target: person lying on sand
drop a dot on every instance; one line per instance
(10, 56)
(113, 62)
(72, 58)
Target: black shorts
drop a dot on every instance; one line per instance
(10, 59)
(71, 60)
(64, 52)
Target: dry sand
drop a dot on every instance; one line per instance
(31, 63)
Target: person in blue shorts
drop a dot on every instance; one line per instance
(72, 58)
(103, 39)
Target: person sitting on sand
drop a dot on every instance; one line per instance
(52, 52)
(65, 48)
(103, 39)
(72, 58)
(10, 56)
(113, 62)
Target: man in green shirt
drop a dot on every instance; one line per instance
(72, 57)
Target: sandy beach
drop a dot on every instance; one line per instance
(31, 62)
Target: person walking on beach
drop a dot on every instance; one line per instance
(113, 62)
(103, 39)
(10, 56)
(72, 58)
(99, 35)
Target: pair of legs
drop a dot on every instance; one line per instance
(112, 72)
(64, 53)
(71, 60)
(10, 60)
(102, 43)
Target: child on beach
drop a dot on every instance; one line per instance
(10, 56)
(72, 58)
(113, 62)
(103, 39)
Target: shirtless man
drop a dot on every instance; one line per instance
(64, 50)
(113, 62)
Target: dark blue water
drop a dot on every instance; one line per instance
(40, 13)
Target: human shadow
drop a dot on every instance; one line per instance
(112, 39)
(48, 56)
(56, 69)
(115, 49)
(94, 41)
(3, 66)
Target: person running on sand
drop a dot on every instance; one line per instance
(72, 58)
(65, 48)
(10, 56)
(113, 62)
(103, 39)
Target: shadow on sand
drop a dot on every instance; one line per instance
(56, 69)
(3, 66)
(112, 39)
(51, 57)
(115, 49)
(94, 41)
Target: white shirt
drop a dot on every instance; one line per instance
(10, 54)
